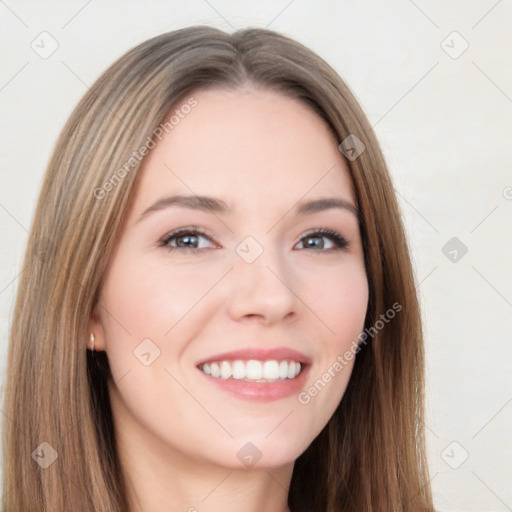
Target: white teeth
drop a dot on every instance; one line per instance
(271, 370)
(253, 370)
(283, 370)
(225, 370)
(238, 368)
(214, 370)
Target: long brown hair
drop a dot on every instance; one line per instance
(370, 456)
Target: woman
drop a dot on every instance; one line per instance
(217, 227)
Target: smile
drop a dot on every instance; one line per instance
(252, 370)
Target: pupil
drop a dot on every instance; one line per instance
(184, 237)
(318, 239)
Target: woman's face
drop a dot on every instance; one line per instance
(257, 283)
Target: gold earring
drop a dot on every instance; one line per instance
(92, 340)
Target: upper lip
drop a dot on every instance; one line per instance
(260, 354)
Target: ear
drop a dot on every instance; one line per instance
(96, 328)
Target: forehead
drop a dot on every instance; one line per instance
(248, 145)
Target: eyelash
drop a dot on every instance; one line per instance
(340, 241)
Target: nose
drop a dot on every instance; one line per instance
(262, 289)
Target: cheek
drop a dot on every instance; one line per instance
(350, 302)
(339, 298)
(148, 299)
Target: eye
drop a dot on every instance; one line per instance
(186, 238)
(315, 239)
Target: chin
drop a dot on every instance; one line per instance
(260, 453)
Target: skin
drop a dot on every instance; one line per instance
(178, 434)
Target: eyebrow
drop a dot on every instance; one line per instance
(212, 204)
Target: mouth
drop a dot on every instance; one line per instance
(257, 374)
(252, 370)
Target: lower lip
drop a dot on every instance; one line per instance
(261, 391)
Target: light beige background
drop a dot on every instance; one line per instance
(443, 114)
